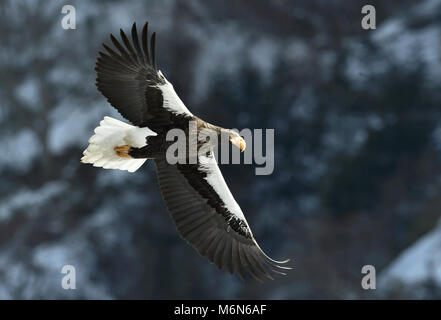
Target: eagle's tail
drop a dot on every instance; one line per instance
(114, 137)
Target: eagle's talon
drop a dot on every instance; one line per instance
(122, 151)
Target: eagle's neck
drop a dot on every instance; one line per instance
(201, 124)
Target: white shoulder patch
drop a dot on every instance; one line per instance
(172, 102)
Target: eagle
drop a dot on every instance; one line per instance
(199, 201)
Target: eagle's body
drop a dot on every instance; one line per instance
(197, 197)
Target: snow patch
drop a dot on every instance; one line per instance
(419, 263)
(30, 199)
(70, 125)
(20, 150)
(29, 94)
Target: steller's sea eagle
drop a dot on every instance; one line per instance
(196, 195)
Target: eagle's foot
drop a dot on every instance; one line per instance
(123, 151)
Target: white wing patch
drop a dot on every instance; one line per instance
(216, 180)
(172, 102)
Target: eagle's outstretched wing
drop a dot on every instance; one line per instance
(207, 216)
(128, 78)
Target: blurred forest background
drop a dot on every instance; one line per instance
(357, 121)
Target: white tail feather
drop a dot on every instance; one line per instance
(113, 133)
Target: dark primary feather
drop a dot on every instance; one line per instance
(203, 221)
(144, 42)
(135, 41)
(152, 46)
(129, 80)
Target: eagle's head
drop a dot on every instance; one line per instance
(237, 140)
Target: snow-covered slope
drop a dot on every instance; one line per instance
(415, 268)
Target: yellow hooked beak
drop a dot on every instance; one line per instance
(239, 142)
